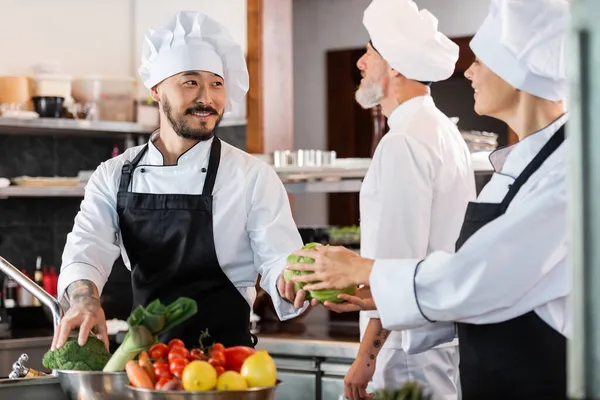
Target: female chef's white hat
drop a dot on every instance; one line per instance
(408, 39)
(523, 42)
(193, 41)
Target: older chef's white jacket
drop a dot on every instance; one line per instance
(414, 196)
(253, 226)
(515, 264)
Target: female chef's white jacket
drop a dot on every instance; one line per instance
(515, 264)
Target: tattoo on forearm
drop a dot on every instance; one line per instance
(383, 333)
(82, 289)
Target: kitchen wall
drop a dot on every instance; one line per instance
(95, 37)
(322, 25)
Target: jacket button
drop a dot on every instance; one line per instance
(203, 169)
(142, 170)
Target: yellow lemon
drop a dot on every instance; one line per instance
(259, 370)
(199, 376)
(231, 380)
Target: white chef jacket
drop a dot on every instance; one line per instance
(254, 231)
(515, 264)
(415, 193)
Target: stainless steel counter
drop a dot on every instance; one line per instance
(308, 348)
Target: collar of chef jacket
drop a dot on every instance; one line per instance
(513, 159)
(401, 114)
(197, 154)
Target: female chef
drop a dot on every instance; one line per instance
(507, 287)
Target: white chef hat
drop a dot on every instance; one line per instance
(193, 41)
(408, 39)
(523, 42)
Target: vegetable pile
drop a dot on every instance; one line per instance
(91, 357)
(173, 367)
(410, 391)
(145, 324)
(320, 295)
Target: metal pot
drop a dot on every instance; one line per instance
(248, 394)
(94, 385)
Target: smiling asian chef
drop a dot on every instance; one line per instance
(507, 287)
(191, 215)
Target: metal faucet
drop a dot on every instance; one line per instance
(34, 289)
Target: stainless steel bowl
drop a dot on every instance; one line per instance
(249, 394)
(93, 385)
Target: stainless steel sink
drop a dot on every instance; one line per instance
(42, 388)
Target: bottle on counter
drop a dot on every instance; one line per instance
(25, 298)
(115, 151)
(38, 278)
(54, 279)
(9, 292)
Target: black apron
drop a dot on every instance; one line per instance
(523, 358)
(170, 243)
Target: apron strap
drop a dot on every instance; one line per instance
(128, 168)
(550, 147)
(213, 165)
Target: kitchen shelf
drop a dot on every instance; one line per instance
(41, 191)
(63, 126)
(342, 186)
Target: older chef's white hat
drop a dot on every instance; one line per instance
(409, 41)
(523, 42)
(193, 41)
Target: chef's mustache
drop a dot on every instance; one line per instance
(201, 108)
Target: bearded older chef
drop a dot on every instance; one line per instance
(191, 215)
(508, 284)
(417, 189)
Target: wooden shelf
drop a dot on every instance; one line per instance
(63, 126)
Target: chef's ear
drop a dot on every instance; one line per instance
(154, 93)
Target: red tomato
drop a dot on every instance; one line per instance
(176, 343)
(161, 369)
(218, 358)
(235, 357)
(216, 348)
(159, 351)
(219, 370)
(163, 381)
(178, 352)
(196, 354)
(177, 366)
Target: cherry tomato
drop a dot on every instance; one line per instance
(216, 348)
(162, 370)
(177, 366)
(159, 351)
(163, 381)
(178, 352)
(196, 354)
(176, 343)
(219, 370)
(217, 359)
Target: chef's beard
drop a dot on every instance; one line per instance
(181, 127)
(369, 94)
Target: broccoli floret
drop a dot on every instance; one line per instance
(91, 357)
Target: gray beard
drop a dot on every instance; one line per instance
(181, 127)
(369, 94)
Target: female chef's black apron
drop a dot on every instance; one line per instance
(523, 358)
(170, 243)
